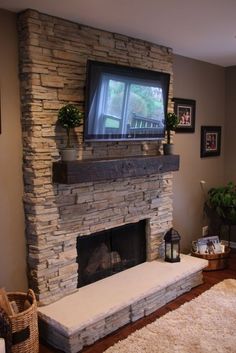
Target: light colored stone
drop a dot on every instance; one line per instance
(96, 310)
(72, 268)
(53, 57)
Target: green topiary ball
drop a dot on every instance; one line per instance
(70, 116)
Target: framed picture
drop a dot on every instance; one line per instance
(209, 245)
(185, 110)
(210, 141)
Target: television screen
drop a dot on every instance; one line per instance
(125, 103)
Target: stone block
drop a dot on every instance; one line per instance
(72, 268)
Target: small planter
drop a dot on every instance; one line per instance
(68, 154)
(69, 117)
(168, 148)
(172, 121)
(215, 261)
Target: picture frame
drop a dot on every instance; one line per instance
(209, 245)
(185, 109)
(210, 141)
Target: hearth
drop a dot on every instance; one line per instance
(105, 253)
(96, 310)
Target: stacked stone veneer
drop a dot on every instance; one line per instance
(88, 333)
(53, 57)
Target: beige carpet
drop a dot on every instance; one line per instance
(206, 324)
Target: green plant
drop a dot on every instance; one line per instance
(223, 201)
(69, 116)
(172, 122)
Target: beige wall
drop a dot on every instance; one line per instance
(230, 126)
(230, 132)
(12, 240)
(206, 84)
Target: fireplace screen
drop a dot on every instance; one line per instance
(105, 253)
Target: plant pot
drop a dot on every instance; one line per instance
(68, 154)
(168, 148)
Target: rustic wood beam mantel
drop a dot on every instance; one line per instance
(106, 169)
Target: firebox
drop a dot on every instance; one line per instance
(105, 253)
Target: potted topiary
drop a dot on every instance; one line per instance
(69, 116)
(172, 121)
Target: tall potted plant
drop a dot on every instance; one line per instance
(172, 121)
(222, 200)
(220, 209)
(69, 116)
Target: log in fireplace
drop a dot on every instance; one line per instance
(105, 253)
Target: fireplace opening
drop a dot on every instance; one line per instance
(105, 253)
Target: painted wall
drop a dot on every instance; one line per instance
(12, 240)
(230, 132)
(230, 126)
(206, 84)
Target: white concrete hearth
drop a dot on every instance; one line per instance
(100, 308)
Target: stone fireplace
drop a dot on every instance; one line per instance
(110, 189)
(53, 54)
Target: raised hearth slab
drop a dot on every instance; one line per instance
(100, 308)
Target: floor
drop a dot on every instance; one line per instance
(210, 278)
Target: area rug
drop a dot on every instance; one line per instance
(206, 324)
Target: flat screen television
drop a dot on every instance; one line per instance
(125, 103)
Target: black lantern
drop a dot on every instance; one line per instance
(172, 246)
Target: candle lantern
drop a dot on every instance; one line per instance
(172, 246)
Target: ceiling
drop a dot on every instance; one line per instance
(200, 29)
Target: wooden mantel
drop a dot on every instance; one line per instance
(106, 169)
